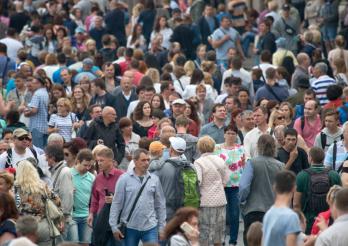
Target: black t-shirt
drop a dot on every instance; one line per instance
(299, 164)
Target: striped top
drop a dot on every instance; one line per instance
(320, 86)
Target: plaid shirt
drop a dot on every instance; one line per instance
(40, 101)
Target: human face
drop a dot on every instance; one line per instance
(4, 187)
(147, 110)
(97, 112)
(279, 119)
(201, 52)
(234, 89)
(331, 122)
(209, 11)
(156, 102)
(262, 28)
(243, 97)
(98, 22)
(110, 116)
(61, 108)
(193, 221)
(105, 164)
(3, 147)
(172, 99)
(126, 81)
(220, 113)
(248, 121)
(139, 29)
(8, 138)
(201, 94)
(238, 119)
(230, 136)
(66, 77)
(49, 34)
(91, 47)
(26, 70)
(22, 142)
(78, 93)
(229, 104)
(85, 84)
(19, 82)
(142, 164)
(290, 142)
(35, 84)
(286, 111)
(109, 71)
(127, 130)
(148, 95)
(178, 109)
(188, 111)
(162, 22)
(309, 109)
(84, 166)
(259, 117)
(225, 23)
(69, 157)
(308, 98)
(57, 94)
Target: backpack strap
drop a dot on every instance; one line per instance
(334, 155)
(302, 122)
(9, 158)
(269, 88)
(182, 88)
(34, 154)
(323, 140)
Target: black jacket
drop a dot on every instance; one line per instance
(205, 30)
(184, 36)
(110, 100)
(111, 135)
(121, 103)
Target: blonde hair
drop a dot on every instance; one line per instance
(272, 118)
(208, 80)
(8, 177)
(137, 9)
(28, 178)
(206, 145)
(208, 66)
(66, 102)
(97, 149)
(189, 67)
(153, 74)
(330, 197)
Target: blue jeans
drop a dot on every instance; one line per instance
(80, 232)
(248, 38)
(134, 236)
(39, 138)
(232, 212)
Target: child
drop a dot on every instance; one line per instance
(254, 235)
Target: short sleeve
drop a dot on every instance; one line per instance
(53, 119)
(329, 157)
(293, 224)
(9, 227)
(217, 35)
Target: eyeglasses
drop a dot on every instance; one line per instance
(24, 138)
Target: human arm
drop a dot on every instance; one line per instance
(94, 204)
(245, 182)
(117, 206)
(160, 206)
(120, 146)
(33, 106)
(5, 237)
(66, 189)
(52, 124)
(292, 157)
(216, 43)
(291, 239)
(300, 181)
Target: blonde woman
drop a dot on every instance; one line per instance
(30, 194)
(135, 16)
(155, 77)
(276, 118)
(64, 121)
(91, 46)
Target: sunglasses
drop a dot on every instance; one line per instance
(24, 138)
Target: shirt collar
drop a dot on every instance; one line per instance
(56, 167)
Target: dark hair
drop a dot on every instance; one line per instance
(290, 132)
(84, 155)
(235, 62)
(144, 143)
(266, 56)
(284, 182)
(12, 117)
(197, 77)
(158, 113)
(231, 127)
(138, 152)
(61, 57)
(157, 23)
(149, 4)
(181, 215)
(124, 122)
(99, 82)
(165, 85)
(334, 92)
(6, 131)
(235, 80)
(266, 145)
(194, 115)
(3, 48)
(182, 121)
(75, 145)
(162, 105)
(317, 155)
(138, 113)
(55, 151)
(341, 200)
(8, 207)
(270, 73)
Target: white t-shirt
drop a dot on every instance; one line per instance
(16, 157)
(13, 46)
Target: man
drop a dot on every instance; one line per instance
(181, 125)
(312, 185)
(115, 22)
(247, 122)
(20, 150)
(102, 97)
(225, 38)
(20, 18)
(336, 156)
(167, 88)
(35, 43)
(265, 63)
(87, 70)
(301, 70)
(109, 77)
(272, 90)
(207, 24)
(308, 95)
(17, 94)
(27, 226)
(287, 26)
(231, 105)
(125, 95)
(260, 116)
(134, 66)
(37, 111)
(178, 109)
(297, 100)
(309, 125)
(103, 188)
(109, 48)
(184, 35)
(236, 70)
(13, 45)
(66, 76)
(95, 111)
(336, 234)
(148, 217)
(215, 129)
(62, 183)
(322, 82)
(232, 85)
(167, 173)
(97, 31)
(104, 130)
(255, 186)
(62, 62)
(295, 158)
(6, 64)
(281, 225)
(328, 19)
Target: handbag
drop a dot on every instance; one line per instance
(123, 225)
(52, 213)
(288, 29)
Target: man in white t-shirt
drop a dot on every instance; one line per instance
(13, 45)
(20, 151)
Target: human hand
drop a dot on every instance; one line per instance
(108, 199)
(322, 223)
(118, 235)
(90, 220)
(226, 37)
(293, 154)
(193, 236)
(310, 240)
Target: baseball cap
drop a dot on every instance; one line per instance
(178, 144)
(88, 61)
(286, 7)
(19, 132)
(80, 30)
(156, 146)
(179, 101)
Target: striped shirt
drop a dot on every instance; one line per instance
(341, 156)
(320, 86)
(64, 124)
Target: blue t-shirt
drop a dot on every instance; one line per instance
(277, 224)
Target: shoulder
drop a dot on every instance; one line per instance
(178, 240)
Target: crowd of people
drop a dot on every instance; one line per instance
(170, 123)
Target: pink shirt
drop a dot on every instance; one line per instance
(310, 131)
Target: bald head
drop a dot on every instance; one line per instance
(109, 115)
(303, 59)
(310, 109)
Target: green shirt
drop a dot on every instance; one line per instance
(302, 183)
(82, 193)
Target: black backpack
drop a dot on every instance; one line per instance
(319, 186)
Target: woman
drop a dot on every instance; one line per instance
(276, 118)
(71, 149)
(157, 102)
(234, 157)
(64, 122)
(136, 40)
(191, 112)
(142, 121)
(288, 113)
(154, 75)
(6, 181)
(236, 118)
(340, 71)
(61, 34)
(51, 65)
(325, 219)
(85, 84)
(91, 47)
(131, 140)
(135, 15)
(57, 91)
(162, 28)
(31, 194)
(173, 232)
(339, 51)
(8, 215)
(79, 102)
(50, 39)
(190, 90)
(211, 171)
(244, 99)
(204, 104)
(201, 51)
(76, 17)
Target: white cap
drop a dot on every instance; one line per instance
(178, 144)
(179, 101)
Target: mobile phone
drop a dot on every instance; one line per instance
(186, 227)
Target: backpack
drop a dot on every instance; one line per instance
(9, 157)
(323, 140)
(187, 187)
(319, 186)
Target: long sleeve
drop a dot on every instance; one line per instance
(65, 191)
(89, 135)
(245, 182)
(117, 204)
(160, 206)
(120, 146)
(94, 199)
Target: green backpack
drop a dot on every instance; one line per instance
(187, 188)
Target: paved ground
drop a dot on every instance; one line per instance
(240, 235)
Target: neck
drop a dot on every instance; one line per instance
(333, 130)
(288, 149)
(80, 171)
(229, 143)
(271, 82)
(107, 171)
(127, 134)
(19, 150)
(219, 122)
(263, 127)
(126, 92)
(181, 130)
(312, 117)
(283, 200)
(101, 93)
(106, 122)
(146, 118)
(138, 172)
